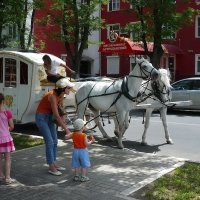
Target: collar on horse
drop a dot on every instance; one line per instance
(125, 90)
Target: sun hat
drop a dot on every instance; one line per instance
(64, 82)
(78, 124)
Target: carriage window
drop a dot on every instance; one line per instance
(10, 72)
(1, 70)
(23, 73)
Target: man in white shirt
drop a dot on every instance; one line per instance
(50, 65)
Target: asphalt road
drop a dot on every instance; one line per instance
(184, 129)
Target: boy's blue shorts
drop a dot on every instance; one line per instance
(80, 158)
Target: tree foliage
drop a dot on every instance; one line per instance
(159, 19)
(14, 15)
(77, 20)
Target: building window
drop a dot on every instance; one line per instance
(135, 28)
(168, 33)
(64, 57)
(197, 64)
(113, 65)
(197, 27)
(12, 31)
(113, 27)
(114, 5)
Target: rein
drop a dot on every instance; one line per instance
(124, 90)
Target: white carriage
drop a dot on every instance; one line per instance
(23, 82)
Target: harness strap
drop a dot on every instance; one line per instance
(125, 90)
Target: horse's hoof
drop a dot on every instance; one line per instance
(143, 143)
(120, 147)
(170, 142)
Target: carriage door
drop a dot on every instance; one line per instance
(24, 87)
(10, 84)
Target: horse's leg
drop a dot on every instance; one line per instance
(123, 125)
(116, 130)
(81, 109)
(163, 114)
(98, 123)
(146, 125)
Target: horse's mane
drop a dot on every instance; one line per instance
(165, 77)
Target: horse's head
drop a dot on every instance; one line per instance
(146, 69)
(161, 87)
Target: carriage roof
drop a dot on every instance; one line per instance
(30, 56)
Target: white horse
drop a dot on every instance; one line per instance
(156, 94)
(115, 96)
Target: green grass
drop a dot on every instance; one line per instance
(181, 184)
(26, 141)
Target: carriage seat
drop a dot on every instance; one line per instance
(45, 82)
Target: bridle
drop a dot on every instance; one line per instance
(124, 86)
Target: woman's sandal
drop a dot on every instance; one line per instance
(9, 181)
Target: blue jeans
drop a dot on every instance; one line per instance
(48, 130)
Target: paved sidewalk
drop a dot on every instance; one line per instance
(114, 175)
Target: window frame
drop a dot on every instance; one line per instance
(113, 69)
(109, 29)
(197, 26)
(197, 61)
(113, 5)
(132, 32)
(10, 73)
(170, 37)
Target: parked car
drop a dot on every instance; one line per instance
(187, 89)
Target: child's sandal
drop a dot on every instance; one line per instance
(76, 178)
(84, 179)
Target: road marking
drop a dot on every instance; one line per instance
(178, 123)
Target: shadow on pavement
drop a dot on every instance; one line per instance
(131, 145)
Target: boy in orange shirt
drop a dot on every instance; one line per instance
(80, 155)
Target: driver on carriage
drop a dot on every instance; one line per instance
(50, 65)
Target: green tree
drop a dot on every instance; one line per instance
(77, 21)
(5, 19)
(20, 15)
(159, 19)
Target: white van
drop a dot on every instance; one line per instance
(23, 82)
